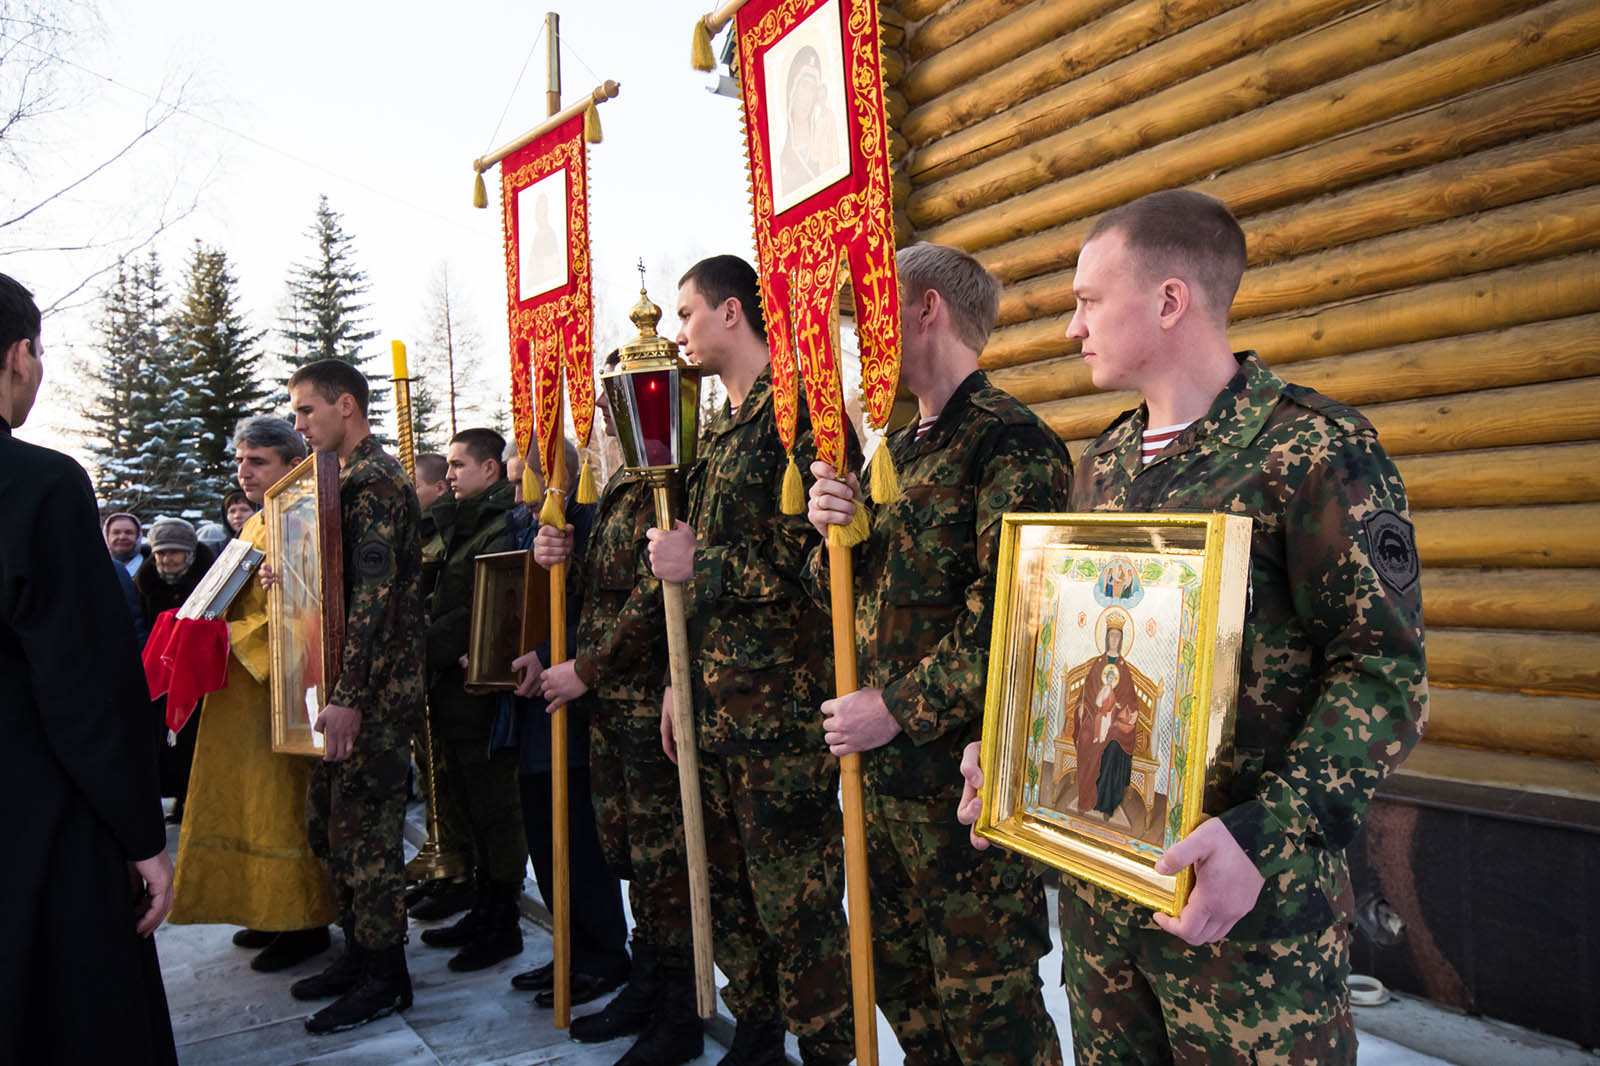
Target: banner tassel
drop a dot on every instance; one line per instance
(700, 56)
(794, 490)
(586, 489)
(885, 482)
(554, 512)
(853, 532)
(480, 195)
(591, 124)
(530, 484)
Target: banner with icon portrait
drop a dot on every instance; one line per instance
(550, 305)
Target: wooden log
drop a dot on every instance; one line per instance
(1345, 47)
(1094, 70)
(1566, 535)
(1538, 663)
(894, 105)
(1546, 99)
(1526, 773)
(1524, 598)
(1442, 71)
(1567, 727)
(1555, 164)
(894, 67)
(1500, 477)
(1001, 40)
(919, 9)
(955, 22)
(1493, 418)
(1498, 299)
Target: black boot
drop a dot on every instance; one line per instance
(384, 987)
(340, 977)
(756, 1043)
(673, 1036)
(255, 939)
(632, 1008)
(443, 899)
(498, 936)
(291, 949)
(457, 935)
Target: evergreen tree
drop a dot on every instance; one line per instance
(327, 291)
(222, 367)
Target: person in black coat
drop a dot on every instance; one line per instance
(88, 877)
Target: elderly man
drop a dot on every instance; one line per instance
(87, 873)
(243, 857)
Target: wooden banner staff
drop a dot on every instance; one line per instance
(708, 27)
(606, 90)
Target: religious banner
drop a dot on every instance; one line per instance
(818, 147)
(550, 306)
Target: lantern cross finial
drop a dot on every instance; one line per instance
(641, 274)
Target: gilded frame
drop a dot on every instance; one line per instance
(305, 605)
(510, 616)
(1152, 709)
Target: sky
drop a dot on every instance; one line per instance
(383, 109)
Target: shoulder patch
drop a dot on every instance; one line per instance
(374, 560)
(1392, 547)
(1347, 418)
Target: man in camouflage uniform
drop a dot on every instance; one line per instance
(1332, 679)
(773, 829)
(621, 657)
(358, 792)
(479, 784)
(957, 933)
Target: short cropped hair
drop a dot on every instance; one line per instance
(332, 378)
(1183, 234)
(431, 467)
(270, 431)
(970, 291)
(725, 277)
(19, 315)
(483, 445)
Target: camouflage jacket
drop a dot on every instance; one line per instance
(1333, 688)
(757, 641)
(466, 529)
(925, 578)
(381, 666)
(621, 650)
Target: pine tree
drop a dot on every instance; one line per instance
(222, 367)
(327, 293)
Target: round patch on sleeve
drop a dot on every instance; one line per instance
(374, 560)
(1392, 547)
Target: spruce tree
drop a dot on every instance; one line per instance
(327, 292)
(223, 367)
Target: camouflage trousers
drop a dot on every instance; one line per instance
(639, 815)
(1140, 995)
(355, 814)
(957, 936)
(774, 843)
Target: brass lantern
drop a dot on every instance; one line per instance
(655, 404)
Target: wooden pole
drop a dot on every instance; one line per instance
(841, 586)
(606, 90)
(694, 824)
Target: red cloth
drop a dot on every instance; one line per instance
(184, 659)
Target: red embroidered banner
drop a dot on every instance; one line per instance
(544, 189)
(816, 133)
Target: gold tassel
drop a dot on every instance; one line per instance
(554, 512)
(852, 532)
(700, 56)
(794, 490)
(480, 195)
(530, 483)
(591, 124)
(586, 489)
(885, 482)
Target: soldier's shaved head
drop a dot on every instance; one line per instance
(1179, 233)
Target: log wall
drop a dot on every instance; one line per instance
(1419, 183)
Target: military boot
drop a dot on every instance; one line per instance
(442, 899)
(673, 1036)
(498, 936)
(384, 987)
(756, 1043)
(340, 976)
(460, 933)
(630, 1011)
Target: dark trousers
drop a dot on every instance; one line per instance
(599, 930)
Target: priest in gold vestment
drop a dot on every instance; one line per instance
(243, 855)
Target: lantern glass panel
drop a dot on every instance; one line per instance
(655, 396)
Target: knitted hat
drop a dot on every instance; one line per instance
(170, 533)
(138, 526)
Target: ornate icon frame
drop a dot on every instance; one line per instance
(1190, 574)
(510, 599)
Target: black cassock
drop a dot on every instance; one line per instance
(78, 792)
